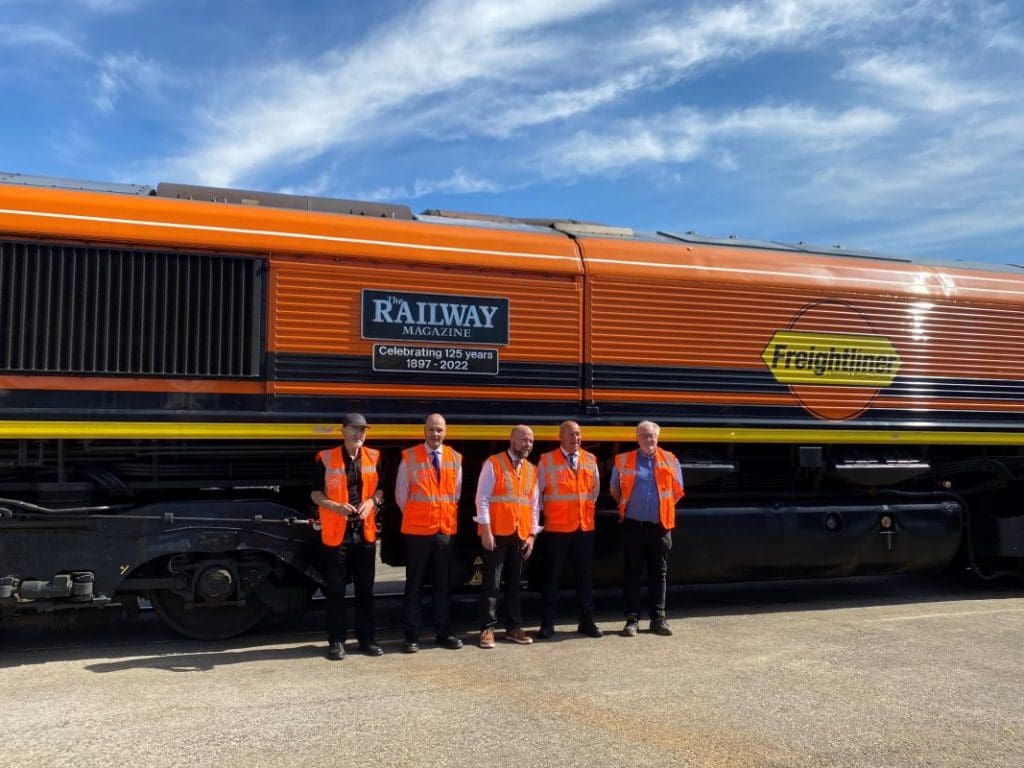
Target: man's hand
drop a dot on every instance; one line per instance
(528, 546)
(487, 538)
(321, 500)
(365, 508)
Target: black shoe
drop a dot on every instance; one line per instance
(631, 628)
(335, 651)
(371, 649)
(589, 628)
(545, 633)
(660, 627)
(410, 646)
(451, 642)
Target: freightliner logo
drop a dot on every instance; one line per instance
(850, 360)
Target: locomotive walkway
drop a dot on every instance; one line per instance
(894, 672)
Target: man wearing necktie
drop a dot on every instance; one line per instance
(568, 484)
(427, 490)
(508, 521)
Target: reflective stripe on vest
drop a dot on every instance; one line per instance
(510, 509)
(568, 495)
(666, 480)
(333, 524)
(432, 505)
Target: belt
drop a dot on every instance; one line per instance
(642, 523)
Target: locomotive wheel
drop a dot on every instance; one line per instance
(207, 623)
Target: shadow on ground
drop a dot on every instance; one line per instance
(118, 643)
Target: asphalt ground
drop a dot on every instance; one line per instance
(894, 672)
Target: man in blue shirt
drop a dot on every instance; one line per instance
(646, 483)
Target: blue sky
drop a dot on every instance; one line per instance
(889, 125)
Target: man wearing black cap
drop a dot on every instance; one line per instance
(347, 502)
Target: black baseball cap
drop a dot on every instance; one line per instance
(356, 420)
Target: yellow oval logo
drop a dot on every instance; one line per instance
(832, 360)
(848, 360)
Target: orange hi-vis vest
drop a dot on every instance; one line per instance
(568, 494)
(511, 510)
(666, 472)
(332, 524)
(432, 505)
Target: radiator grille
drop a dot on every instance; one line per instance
(85, 310)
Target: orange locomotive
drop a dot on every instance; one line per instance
(171, 359)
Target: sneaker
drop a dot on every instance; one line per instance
(518, 636)
(631, 628)
(410, 646)
(660, 627)
(335, 651)
(487, 638)
(589, 628)
(545, 633)
(451, 642)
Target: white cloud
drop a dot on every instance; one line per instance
(515, 67)
(124, 73)
(307, 109)
(460, 182)
(522, 111)
(110, 6)
(685, 135)
(744, 29)
(36, 36)
(975, 165)
(918, 84)
(1005, 41)
(318, 186)
(959, 229)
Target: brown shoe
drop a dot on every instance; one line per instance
(518, 636)
(487, 638)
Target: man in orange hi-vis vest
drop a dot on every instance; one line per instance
(568, 484)
(427, 490)
(508, 522)
(347, 503)
(646, 483)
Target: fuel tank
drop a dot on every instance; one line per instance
(745, 543)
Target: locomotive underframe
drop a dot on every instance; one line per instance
(216, 534)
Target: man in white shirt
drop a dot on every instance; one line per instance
(508, 517)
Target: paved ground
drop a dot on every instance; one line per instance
(873, 672)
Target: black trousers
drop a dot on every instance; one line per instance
(358, 561)
(506, 559)
(557, 548)
(420, 551)
(645, 545)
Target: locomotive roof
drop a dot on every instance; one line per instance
(571, 227)
(581, 229)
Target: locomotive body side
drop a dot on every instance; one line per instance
(900, 346)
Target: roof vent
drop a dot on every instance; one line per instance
(583, 229)
(52, 182)
(279, 200)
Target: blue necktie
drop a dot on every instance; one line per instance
(436, 462)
